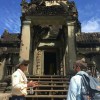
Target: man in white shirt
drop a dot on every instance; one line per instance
(75, 86)
(19, 81)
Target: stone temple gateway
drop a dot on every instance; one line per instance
(51, 38)
(48, 36)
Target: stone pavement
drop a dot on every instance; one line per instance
(5, 96)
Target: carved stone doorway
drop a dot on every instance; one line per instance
(50, 66)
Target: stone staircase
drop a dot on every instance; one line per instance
(3, 86)
(51, 87)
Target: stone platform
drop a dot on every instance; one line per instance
(5, 96)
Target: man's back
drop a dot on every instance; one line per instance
(74, 88)
(74, 92)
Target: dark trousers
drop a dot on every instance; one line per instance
(18, 98)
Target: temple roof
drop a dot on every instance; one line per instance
(10, 37)
(88, 38)
(88, 43)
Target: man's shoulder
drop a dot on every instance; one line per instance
(83, 73)
(76, 76)
(76, 79)
(15, 73)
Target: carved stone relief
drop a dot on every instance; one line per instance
(38, 62)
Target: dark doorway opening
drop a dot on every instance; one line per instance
(50, 67)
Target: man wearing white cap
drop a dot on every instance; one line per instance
(19, 81)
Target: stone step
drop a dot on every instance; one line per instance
(49, 90)
(53, 82)
(46, 76)
(63, 86)
(3, 84)
(60, 79)
(53, 87)
(46, 96)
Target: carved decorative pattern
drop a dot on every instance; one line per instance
(38, 61)
(40, 9)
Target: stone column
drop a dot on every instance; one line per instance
(66, 69)
(2, 68)
(66, 61)
(71, 45)
(34, 61)
(25, 40)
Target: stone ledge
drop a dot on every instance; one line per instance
(5, 96)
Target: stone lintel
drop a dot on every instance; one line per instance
(47, 20)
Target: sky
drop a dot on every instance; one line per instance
(88, 11)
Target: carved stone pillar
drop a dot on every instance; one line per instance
(71, 44)
(25, 40)
(37, 66)
(38, 62)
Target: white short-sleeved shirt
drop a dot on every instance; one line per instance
(19, 83)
